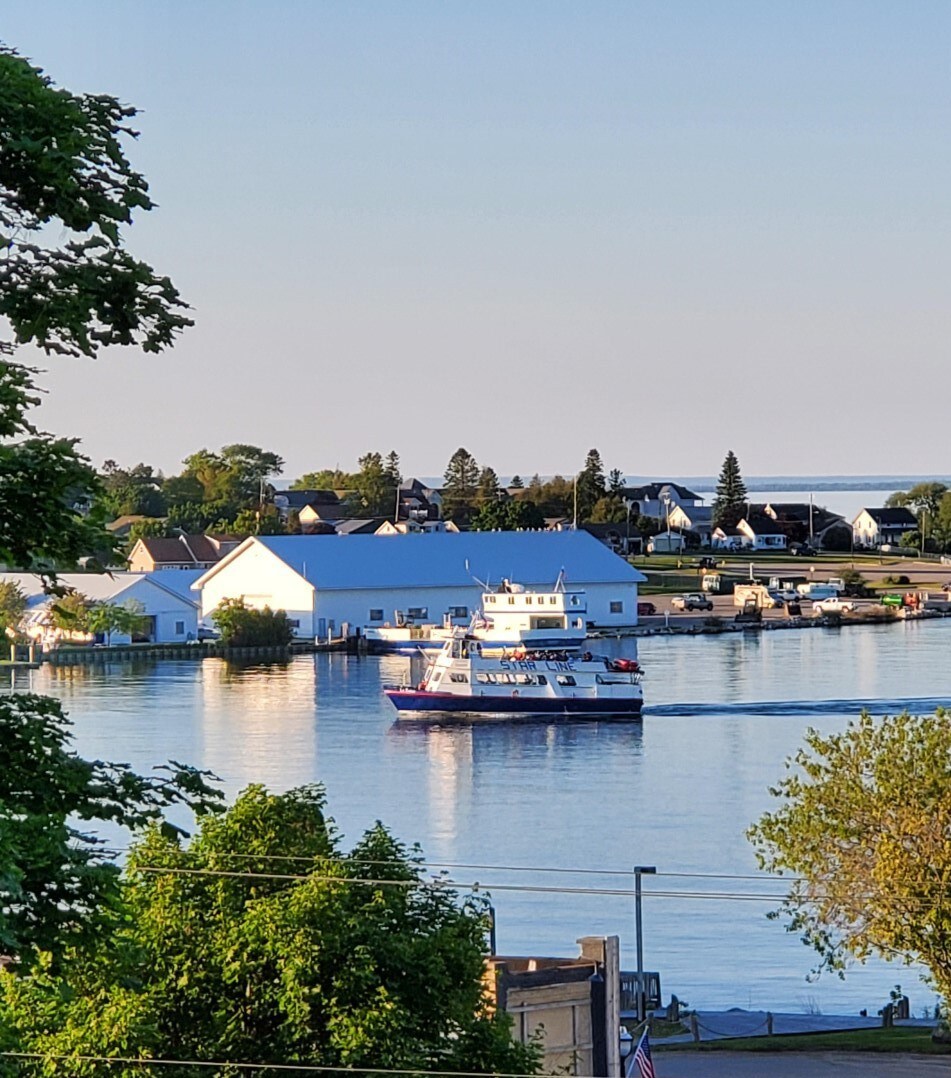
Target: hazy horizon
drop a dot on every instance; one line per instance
(664, 231)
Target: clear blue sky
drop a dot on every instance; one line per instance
(661, 229)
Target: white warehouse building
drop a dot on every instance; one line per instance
(326, 581)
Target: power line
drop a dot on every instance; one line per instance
(299, 1068)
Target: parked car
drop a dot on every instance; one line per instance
(788, 595)
(694, 600)
(801, 550)
(832, 605)
(645, 610)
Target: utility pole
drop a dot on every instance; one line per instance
(640, 870)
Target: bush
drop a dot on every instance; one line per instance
(242, 626)
(898, 581)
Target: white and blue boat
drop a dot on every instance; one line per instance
(523, 656)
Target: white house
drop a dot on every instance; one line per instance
(165, 599)
(694, 518)
(323, 582)
(762, 532)
(666, 543)
(655, 499)
(873, 527)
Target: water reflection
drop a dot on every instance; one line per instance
(679, 791)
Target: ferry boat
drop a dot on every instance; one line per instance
(522, 657)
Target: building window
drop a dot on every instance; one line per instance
(376, 614)
(179, 628)
(458, 611)
(294, 623)
(418, 612)
(617, 607)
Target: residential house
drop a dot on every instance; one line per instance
(803, 522)
(619, 537)
(416, 527)
(725, 537)
(656, 499)
(694, 518)
(293, 501)
(418, 502)
(179, 552)
(323, 584)
(762, 532)
(880, 527)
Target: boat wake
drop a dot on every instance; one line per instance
(918, 705)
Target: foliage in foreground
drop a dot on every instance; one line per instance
(866, 825)
(256, 943)
(242, 626)
(57, 883)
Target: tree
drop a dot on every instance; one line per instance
(375, 486)
(616, 483)
(730, 502)
(864, 824)
(460, 484)
(135, 491)
(327, 479)
(57, 882)
(590, 484)
(608, 510)
(242, 626)
(507, 514)
(71, 612)
(127, 618)
(294, 959)
(487, 487)
(63, 171)
(516, 483)
(12, 607)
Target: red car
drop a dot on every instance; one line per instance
(644, 610)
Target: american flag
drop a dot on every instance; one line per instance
(642, 1057)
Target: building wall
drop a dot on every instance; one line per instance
(262, 579)
(560, 1015)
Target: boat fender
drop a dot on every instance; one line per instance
(422, 685)
(515, 692)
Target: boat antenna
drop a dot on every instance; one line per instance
(484, 584)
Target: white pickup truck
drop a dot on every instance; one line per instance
(832, 605)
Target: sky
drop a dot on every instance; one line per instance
(664, 230)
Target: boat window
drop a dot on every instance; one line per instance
(574, 600)
(418, 612)
(458, 611)
(460, 679)
(528, 600)
(511, 600)
(524, 679)
(376, 615)
(552, 599)
(565, 679)
(542, 680)
(490, 598)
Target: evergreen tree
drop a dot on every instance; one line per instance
(590, 485)
(615, 483)
(517, 483)
(461, 484)
(730, 502)
(488, 489)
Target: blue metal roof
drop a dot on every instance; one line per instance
(533, 559)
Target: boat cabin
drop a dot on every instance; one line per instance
(514, 608)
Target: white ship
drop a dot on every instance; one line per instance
(522, 657)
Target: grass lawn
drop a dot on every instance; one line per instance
(896, 1039)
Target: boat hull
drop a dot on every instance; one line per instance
(434, 707)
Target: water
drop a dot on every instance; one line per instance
(847, 503)
(677, 791)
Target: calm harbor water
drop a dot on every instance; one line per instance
(677, 791)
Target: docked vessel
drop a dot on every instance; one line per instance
(522, 657)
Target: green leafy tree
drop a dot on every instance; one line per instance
(127, 618)
(298, 961)
(71, 612)
(243, 626)
(608, 510)
(64, 172)
(460, 485)
(507, 515)
(730, 501)
(133, 491)
(58, 883)
(327, 479)
(864, 827)
(13, 605)
(554, 498)
(375, 486)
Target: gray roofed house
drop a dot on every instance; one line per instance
(883, 526)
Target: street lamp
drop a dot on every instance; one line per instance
(640, 870)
